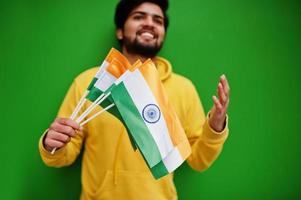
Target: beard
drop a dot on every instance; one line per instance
(145, 50)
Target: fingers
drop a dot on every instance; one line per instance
(223, 89)
(55, 139)
(67, 130)
(60, 133)
(221, 94)
(68, 122)
(51, 144)
(219, 110)
(225, 84)
(217, 103)
(53, 135)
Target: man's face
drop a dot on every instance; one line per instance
(143, 32)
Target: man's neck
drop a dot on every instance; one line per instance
(132, 58)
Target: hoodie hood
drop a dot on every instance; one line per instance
(164, 68)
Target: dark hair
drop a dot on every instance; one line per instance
(125, 7)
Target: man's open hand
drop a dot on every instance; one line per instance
(218, 112)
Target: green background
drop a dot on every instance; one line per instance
(256, 43)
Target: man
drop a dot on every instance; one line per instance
(111, 169)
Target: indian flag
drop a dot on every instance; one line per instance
(99, 93)
(91, 93)
(174, 159)
(151, 120)
(114, 71)
(112, 68)
(113, 54)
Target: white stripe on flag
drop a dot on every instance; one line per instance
(105, 81)
(142, 96)
(122, 77)
(102, 67)
(173, 160)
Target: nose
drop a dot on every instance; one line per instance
(148, 21)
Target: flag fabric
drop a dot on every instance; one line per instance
(151, 120)
(117, 69)
(143, 107)
(112, 53)
(119, 73)
(117, 63)
(91, 95)
(114, 65)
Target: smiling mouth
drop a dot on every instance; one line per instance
(147, 34)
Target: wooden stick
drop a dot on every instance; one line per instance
(96, 114)
(53, 150)
(79, 105)
(99, 100)
(75, 111)
(94, 105)
(89, 109)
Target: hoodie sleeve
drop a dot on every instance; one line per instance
(206, 143)
(67, 154)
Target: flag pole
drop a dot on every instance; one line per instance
(98, 101)
(75, 111)
(89, 109)
(79, 105)
(96, 114)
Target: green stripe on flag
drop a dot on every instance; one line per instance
(114, 111)
(92, 83)
(159, 170)
(94, 94)
(136, 125)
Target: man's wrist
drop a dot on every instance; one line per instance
(217, 125)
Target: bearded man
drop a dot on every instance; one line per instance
(111, 169)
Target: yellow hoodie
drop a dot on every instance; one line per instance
(111, 169)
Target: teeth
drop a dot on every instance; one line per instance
(147, 34)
